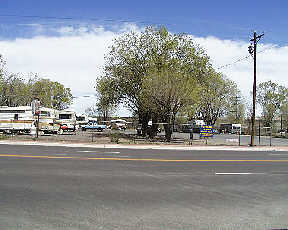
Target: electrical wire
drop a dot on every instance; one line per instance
(110, 20)
(83, 18)
(246, 57)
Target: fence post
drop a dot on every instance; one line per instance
(239, 137)
(270, 136)
(259, 129)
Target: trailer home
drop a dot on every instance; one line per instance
(16, 119)
(47, 121)
(67, 120)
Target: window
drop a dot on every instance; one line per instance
(80, 118)
(45, 113)
(65, 116)
(12, 111)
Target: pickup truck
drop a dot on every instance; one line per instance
(93, 126)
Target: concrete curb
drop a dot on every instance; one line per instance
(163, 147)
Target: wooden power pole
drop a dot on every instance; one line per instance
(253, 51)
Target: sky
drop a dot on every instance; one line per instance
(66, 41)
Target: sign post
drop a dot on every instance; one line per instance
(36, 111)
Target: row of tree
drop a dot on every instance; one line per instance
(273, 99)
(159, 75)
(15, 90)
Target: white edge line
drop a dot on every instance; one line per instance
(86, 151)
(173, 147)
(236, 173)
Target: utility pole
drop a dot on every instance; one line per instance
(253, 50)
(236, 111)
(281, 123)
(237, 116)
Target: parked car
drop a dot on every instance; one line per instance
(187, 128)
(118, 124)
(94, 126)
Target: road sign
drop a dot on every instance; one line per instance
(206, 131)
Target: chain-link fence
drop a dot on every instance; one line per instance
(266, 138)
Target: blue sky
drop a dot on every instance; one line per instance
(66, 41)
(224, 19)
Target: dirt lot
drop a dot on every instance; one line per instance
(105, 137)
(130, 137)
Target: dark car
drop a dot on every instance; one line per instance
(186, 128)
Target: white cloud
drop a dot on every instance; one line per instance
(270, 63)
(76, 58)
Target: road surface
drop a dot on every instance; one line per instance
(86, 188)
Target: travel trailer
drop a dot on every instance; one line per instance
(230, 128)
(92, 120)
(16, 119)
(21, 119)
(66, 119)
(81, 120)
(47, 121)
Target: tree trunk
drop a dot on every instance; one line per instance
(143, 120)
(168, 132)
(154, 128)
(167, 128)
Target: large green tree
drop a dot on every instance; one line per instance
(167, 93)
(16, 91)
(271, 97)
(237, 109)
(216, 97)
(134, 58)
(107, 97)
(52, 94)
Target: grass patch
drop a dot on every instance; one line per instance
(3, 136)
(115, 137)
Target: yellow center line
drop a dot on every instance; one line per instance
(136, 159)
(35, 156)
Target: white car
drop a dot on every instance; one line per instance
(118, 124)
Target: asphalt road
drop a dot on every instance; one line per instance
(81, 188)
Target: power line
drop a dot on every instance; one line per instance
(233, 63)
(121, 20)
(82, 18)
(127, 20)
(85, 96)
(246, 57)
(116, 20)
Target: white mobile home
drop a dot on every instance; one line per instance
(81, 119)
(47, 120)
(16, 119)
(66, 119)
